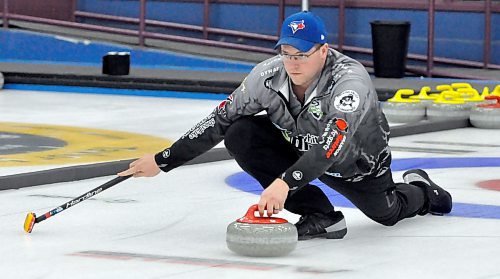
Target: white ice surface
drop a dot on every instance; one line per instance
(173, 225)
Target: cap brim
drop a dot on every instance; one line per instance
(299, 44)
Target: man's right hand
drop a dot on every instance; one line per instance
(142, 167)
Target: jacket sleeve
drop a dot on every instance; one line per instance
(336, 145)
(210, 131)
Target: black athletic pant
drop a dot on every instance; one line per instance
(261, 150)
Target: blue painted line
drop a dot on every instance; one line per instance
(41, 63)
(244, 182)
(452, 80)
(117, 91)
(443, 163)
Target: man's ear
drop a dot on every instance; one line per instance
(324, 49)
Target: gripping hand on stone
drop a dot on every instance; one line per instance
(273, 198)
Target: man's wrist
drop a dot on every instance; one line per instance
(290, 181)
(161, 159)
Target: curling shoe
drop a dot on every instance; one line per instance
(320, 225)
(438, 201)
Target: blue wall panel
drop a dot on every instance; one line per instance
(495, 39)
(187, 13)
(28, 47)
(331, 18)
(459, 35)
(128, 8)
(248, 18)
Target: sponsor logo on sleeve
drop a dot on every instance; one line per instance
(286, 134)
(338, 70)
(347, 101)
(269, 71)
(166, 153)
(334, 174)
(297, 175)
(271, 60)
(336, 146)
(334, 139)
(221, 108)
(304, 142)
(200, 128)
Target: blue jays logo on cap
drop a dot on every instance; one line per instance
(312, 31)
(297, 25)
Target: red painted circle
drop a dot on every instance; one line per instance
(490, 184)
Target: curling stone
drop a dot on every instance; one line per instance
(486, 93)
(449, 106)
(424, 96)
(1, 80)
(403, 110)
(471, 96)
(261, 236)
(486, 116)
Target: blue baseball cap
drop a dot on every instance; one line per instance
(302, 31)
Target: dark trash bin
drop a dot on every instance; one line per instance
(116, 63)
(390, 47)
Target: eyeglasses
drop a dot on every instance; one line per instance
(300, 56)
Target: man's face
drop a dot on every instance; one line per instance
(302, 70)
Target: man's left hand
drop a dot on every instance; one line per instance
(273, 198)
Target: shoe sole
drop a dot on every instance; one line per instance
(426, 180)
(417, 173)
(328, 235)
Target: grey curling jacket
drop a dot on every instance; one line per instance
(340, 130)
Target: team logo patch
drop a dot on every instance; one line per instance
(297, 25)
(347, 101)
(297, 175)
(315, 109)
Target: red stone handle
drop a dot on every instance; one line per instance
(252, 219)
(491, 97)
